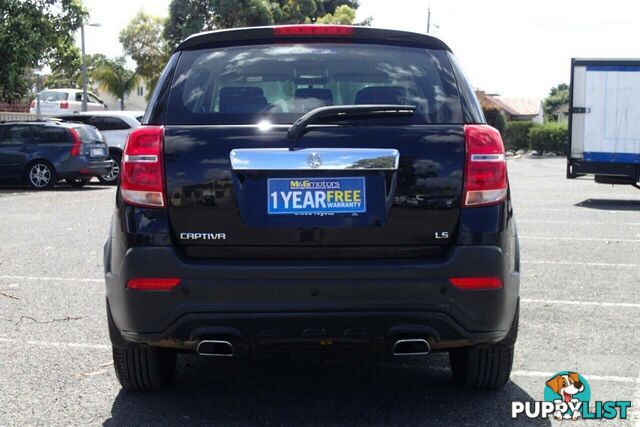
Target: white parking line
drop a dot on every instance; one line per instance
(539, 374)
(579, 239)
(579, 263)
(586, 303)
(56, 344)
(70, 279)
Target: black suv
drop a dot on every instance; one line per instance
(42, 153)
(303, 187)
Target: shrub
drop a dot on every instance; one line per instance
(495, 118)
(516, 135)
(551, 137)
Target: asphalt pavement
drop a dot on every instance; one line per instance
(580, 311)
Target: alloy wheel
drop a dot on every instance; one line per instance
(40, 175)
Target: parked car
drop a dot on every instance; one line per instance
(42, 153)
(115, 126)
(306, 135)
(61, 101)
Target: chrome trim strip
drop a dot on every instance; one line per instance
(487, 158)
(141, 158)
(315, 159)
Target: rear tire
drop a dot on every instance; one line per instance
(487, 366)
(141, 367)
(113, 174)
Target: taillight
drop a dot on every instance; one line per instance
(313, 30)
(76, 149)
(64, 105)
(486, 167)
(141, 177)
(153, 284)
(33, 104)
(476, 283)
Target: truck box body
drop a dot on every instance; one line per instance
(604, 119)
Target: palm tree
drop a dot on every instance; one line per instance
(116, 78)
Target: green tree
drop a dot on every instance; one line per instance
(187, 17)
(344, 15)
(35, 33)
(66, 76)
(495, 118)
(116, 79)
(141, 40)
(558, 96)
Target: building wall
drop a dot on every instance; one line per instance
(136, 100)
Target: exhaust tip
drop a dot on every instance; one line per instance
(215, 348)
(411, 347)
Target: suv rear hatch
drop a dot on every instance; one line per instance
(371, 185)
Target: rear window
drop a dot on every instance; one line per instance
(50, 135)
(49, 96)
(89, 134)
(244, 84)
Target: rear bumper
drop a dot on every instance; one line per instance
(77, 167)
(255, 302)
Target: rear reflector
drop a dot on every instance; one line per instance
(313, 30)
(153, 284)
(476, 283)
(486, 167)
(76, 149)
(141, 178)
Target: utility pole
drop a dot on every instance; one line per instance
(84, 67)
(84, 70)
(428, 20)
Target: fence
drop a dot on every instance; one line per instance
(10, 116)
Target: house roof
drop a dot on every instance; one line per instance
(522, 106)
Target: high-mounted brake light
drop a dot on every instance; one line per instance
(153, 284)
(142, 177)
(313, 30)
(476, 283)
(64, 105)
(76, 149)
(486, 167)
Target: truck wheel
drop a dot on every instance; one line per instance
(485, 367)
(141, 367)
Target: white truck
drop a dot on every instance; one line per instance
(604, 120)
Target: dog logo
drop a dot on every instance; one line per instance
(567, 386)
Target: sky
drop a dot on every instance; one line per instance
(508, 47)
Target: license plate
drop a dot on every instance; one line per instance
(98, 152)
(316, 196)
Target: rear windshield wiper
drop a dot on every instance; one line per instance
(299, 127)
